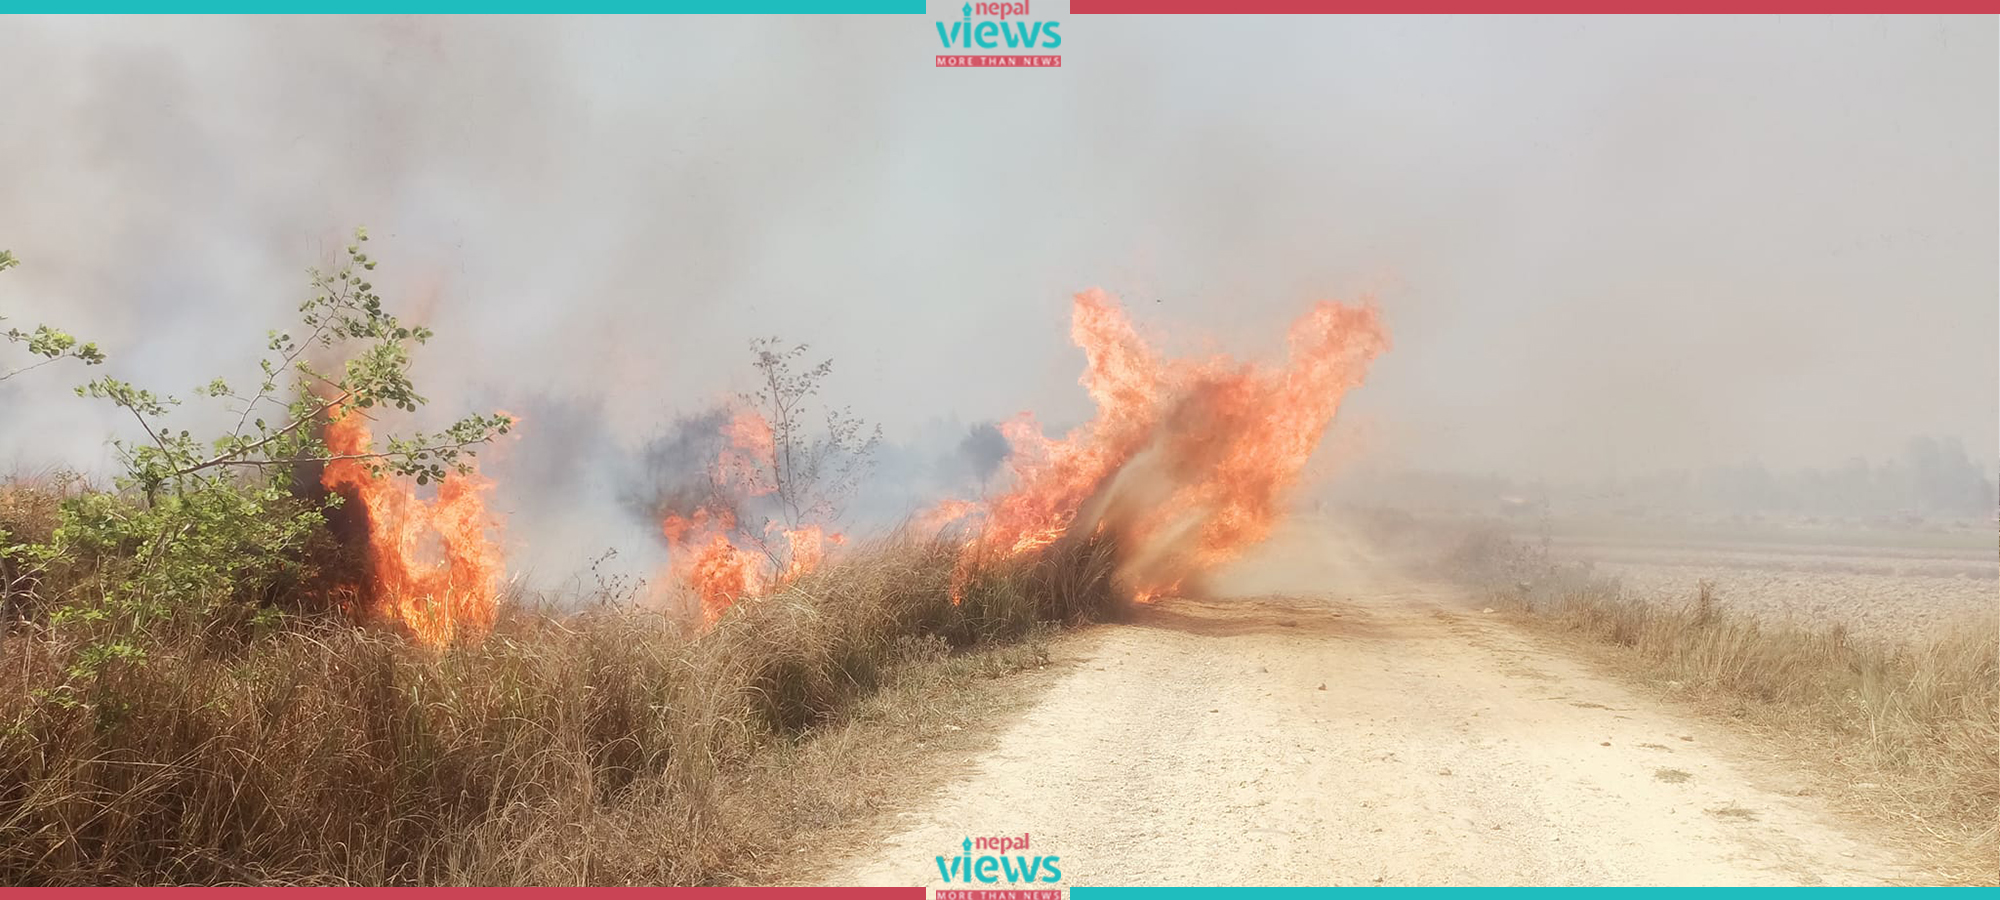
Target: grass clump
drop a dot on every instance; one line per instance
(606, 746)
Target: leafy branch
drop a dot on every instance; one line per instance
(343, 316)
(49, 343)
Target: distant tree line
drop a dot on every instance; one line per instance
(1932, 477)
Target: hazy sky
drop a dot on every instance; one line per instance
(1598, 243)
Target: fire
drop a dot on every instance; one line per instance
(746, 463)
(942, 516)
(716, 570)
(431, 566)
(1188, 461)
(713, 554)
(807, 548)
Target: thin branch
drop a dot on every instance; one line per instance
(233, 457)
(29, 368)
(149, 428)
(337, 457)
(297, 349)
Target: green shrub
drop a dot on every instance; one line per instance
(220, 537)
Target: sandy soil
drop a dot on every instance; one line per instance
(1368, 730)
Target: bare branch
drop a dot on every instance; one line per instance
(29, 368)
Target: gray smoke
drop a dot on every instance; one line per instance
(984, 449)
(1605, 247)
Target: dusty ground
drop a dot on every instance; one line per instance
(1348, 729)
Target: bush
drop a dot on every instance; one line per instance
(218, 538)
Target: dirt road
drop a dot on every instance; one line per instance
(1371, 730)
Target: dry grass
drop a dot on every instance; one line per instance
(1909, 732)
(601, 747)
(30, 510)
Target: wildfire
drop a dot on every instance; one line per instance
(1188, 460)
(431, 566)
(713, 554)
(942, 516)
(706, 561)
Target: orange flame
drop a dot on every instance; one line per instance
(716, 570)
(431, 566)
(746, 462)
(939, 517)
(1188, 460)
(722, 562)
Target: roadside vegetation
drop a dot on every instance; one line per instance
(188, 694)
(1909, 733)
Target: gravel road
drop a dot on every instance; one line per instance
(1342, 728)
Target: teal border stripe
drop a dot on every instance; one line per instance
(660, 7)
(1252, 893)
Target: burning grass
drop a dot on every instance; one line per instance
(602, 746)
(183, 704)
(1909, 733)
(431, 566)
(1189, 459)
(1187, 463)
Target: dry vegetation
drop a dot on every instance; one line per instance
(602, 746)
(186, 695)
(1908, 732)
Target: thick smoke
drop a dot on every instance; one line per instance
(676, 468)
(983, 450)
(1610, 248)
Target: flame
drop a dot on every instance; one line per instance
(431, 566)
(808, 550)
(745, 463)
(1188, 461)
(943, 515)
(716, 570)
(717, 558)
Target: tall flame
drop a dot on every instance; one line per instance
(431, 566)
(1188, 460)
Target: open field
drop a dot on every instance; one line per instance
(1889, 593)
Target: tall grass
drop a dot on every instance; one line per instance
(30, 510)
(1916, 725)
(599, 746)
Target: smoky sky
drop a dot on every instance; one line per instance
(1597, 243)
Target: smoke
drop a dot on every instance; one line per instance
(983, 450)
(675, 472)
(1607, 246)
